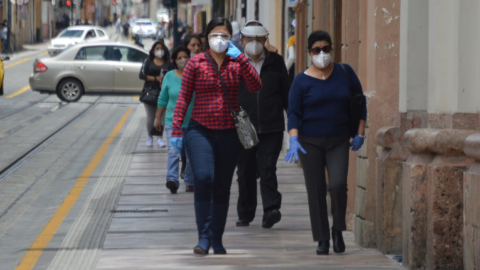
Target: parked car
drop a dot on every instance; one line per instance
(144, 28)
(75, 35)
(2, 72)
(90, 68)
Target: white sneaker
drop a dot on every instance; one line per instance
(160, 143)
(149, 141)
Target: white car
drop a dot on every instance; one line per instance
(75, 35)
(144, 28)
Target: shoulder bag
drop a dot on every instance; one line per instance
(245, 130)
(150, 92)
(356, 103)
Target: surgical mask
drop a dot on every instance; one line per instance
(192, 54)
(159, 54)
(254, 48)
(181, 63)
(322, 59)
(218, 44)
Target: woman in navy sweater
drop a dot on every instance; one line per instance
(318, 124)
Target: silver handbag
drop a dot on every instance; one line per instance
(245, 130)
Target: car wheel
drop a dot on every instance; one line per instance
(70, 90)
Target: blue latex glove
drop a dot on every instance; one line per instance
(293, 151)
(356, 143)
(177, 143)
(233, 51)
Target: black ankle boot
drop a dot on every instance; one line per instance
(338, 243)
(323, 247)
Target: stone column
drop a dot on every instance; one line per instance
(444, 199)
(413, 55)
(471, 206)
(389, 191)
(443, 55)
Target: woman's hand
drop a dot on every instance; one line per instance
(158, 125)
(356, 143)
(233, 51)
(177, 143)
(293, 150)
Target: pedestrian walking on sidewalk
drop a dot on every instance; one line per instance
(152, 72)
(266, 109)
(193, 43)
(211, 140)
(319, 128)
(4, 36)
(166, 103)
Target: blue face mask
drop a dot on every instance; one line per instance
(192, 54)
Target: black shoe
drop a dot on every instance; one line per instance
(270, 218)
(323, 247)
(242, 223)
(172, 186)
(338, 243)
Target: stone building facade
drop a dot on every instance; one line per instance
(412, 186)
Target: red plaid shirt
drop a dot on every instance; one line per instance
(211, 108)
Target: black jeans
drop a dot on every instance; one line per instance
(331, 154)
(213, 155)
(262, 159)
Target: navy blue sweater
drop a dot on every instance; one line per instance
(320, 108)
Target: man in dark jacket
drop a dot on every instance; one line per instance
(265, 109)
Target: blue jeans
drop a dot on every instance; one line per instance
(213, 155)
(173, 162)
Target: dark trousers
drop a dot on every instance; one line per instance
(213, 156)
(262, 159)
(331, 154)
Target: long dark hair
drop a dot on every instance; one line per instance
(175, 53)
(166, 55)
(219, 21)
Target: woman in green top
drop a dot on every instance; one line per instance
(166, 102)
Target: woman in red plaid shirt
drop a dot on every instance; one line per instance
(211, 140)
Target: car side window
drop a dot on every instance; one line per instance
(96, 53)
(100, 33)
(125, 54)
(91, 34)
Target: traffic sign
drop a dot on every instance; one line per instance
(91, 8)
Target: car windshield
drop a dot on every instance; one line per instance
(144, 23)
(71, 33)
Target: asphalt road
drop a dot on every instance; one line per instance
(47, 147)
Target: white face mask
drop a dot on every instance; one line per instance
(159, 54)
(218, 44)
(181, 63)
(322, 59)
(254, 48)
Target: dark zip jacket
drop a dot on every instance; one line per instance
(266, 106)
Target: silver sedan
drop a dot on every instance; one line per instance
(90, 68)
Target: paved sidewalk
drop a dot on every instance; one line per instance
(156, 230)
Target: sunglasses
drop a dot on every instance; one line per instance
(325, 49)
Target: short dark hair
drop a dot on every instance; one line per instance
(166, 55)
(219, 21)
(189, 38)
(175, 53)
(318, 35)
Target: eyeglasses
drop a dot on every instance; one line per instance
(250, 39)
(220, 35)
(325, 49)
